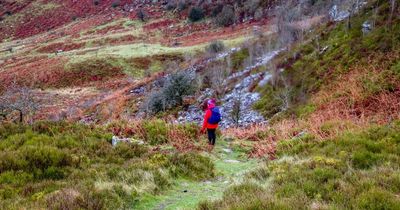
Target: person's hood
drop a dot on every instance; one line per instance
(210, 104)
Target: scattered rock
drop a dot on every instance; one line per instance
(366, 27)
(241, 92)
(139, 90)
(115, 140)
(231, 161)
(227, 150)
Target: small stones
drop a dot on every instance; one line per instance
(231, 161)
(366, 27)
(227, 150)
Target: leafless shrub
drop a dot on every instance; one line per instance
(235, 113)
(19, 99)
(215, 76)
(226, 17)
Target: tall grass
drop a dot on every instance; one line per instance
(353, 171)
(58, 165)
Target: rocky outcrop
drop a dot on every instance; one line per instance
(241, 92)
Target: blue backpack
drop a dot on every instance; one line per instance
(215, 116)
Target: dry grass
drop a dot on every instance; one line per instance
(345, 104)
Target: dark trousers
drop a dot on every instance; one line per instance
(211, 136)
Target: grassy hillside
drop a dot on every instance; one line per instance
(73, 166)
(335, 110)
(339, 77)
(353, 171)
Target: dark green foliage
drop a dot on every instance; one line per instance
(156, 103)
(156, 132)
(178, 86)
(238, 58)
(196, 14)
(269, 104)
(116, 3)
(364, 159)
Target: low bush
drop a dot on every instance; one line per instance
(215, 47)
(193, 166)
(156, 132)
(377, 199)
(59, 165)
(196, 14)
(177, 86)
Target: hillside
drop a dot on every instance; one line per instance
(101, 104)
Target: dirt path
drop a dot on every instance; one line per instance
(230, 165)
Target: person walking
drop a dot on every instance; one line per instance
(211, 119)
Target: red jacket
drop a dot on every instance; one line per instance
(206, 117)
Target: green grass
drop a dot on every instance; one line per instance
(353, 171)
(56, 164)
(187, 194)
(307, 70)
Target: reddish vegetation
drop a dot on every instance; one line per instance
(159, 24)
(127, 39)
(194, 34)
(38, 73)
(65, 12)
(106, 30)
(60, 46)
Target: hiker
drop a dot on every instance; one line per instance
(211, 119)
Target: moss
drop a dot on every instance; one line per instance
(305, 110)
(269, 104)
(238, 58)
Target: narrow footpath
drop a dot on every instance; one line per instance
(231, 164)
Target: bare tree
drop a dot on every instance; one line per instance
(353, 6)
(217, 75)
(286, 15)
(19, 99)
(236, 109)
(284, 96)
